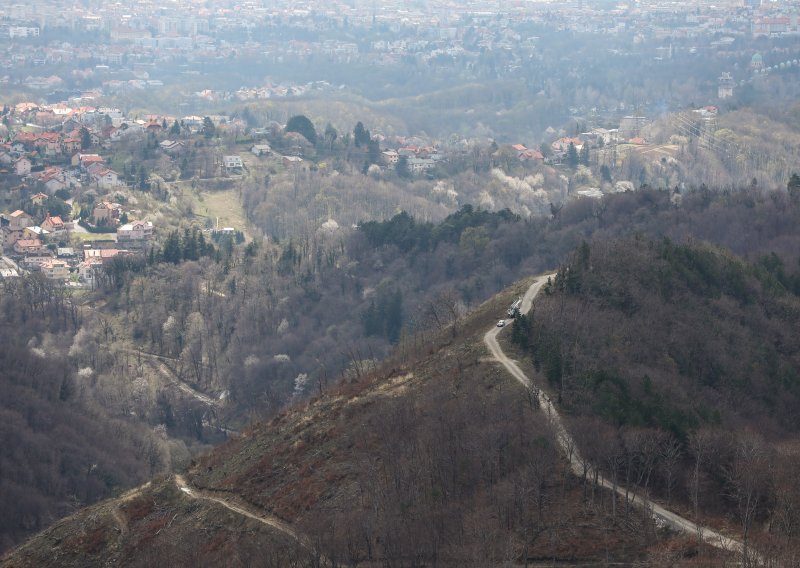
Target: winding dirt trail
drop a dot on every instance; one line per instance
(242, 509)
(157, 363)
(569, 448)
(119, 518)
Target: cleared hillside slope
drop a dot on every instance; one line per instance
(436, 456)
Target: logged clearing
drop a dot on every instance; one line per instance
(88, 237)
(223, 204)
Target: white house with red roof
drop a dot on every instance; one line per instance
(105, 178)
(86, 160)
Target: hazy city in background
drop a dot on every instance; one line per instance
(269, 258)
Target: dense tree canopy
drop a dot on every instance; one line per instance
(302, 125)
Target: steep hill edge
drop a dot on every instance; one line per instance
(569, 447)
(434, 455)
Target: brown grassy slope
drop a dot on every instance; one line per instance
(156, 526)
(436, 457)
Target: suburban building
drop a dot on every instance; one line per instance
(86, 160)
(105, 213)
(135, 234)
(418, 165)
(171, 146)
(102, 255)
(54, 224)
(390, 157)
(22, 166)
(39, 199)
(232, 162)
(27, 246)
(55, 269)
(18, 220)
(261, 150)
(88, 270)
(106, 178)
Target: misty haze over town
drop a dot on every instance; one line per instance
(350, 283)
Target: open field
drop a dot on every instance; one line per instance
(224, 205)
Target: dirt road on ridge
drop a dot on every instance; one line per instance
(569, 448)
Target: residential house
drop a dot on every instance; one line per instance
(172, 147)
(261, 149)
(35, 258)
(18, 220)
(531, 156)
(291, 160)
(562, 144)
(525, 154)
(153, 126)
(89, 269)
(53, 182)
(34, 232)
(49, 143)
(22, 166)
(105, 213)
(70, 145)
(135, 234)
(39, 199)
(54, 224)
(232, 162)
(27, 246)
(52, 178)
(24, 141)
(85, 160)
(419, 165)
(390, 157)
(55, 269)
(102, 255)
(105, 178)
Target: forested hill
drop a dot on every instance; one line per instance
(679, 368)
(675, 365)
(253, 328)
(436, 456)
